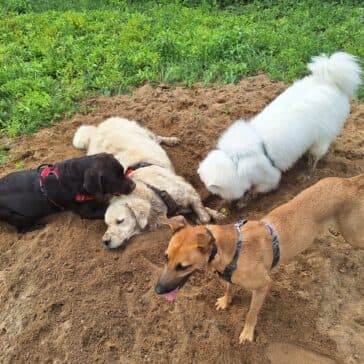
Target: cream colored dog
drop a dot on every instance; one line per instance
(153, 173)
(276, 238)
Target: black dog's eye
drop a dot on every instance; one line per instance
(119, 221)
(180, 267)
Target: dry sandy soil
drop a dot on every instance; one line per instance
(64, 298)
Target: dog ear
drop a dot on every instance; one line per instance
(175, 223)
(141, 212)
(92, 183)
(204, 241)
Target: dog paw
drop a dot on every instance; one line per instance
(204, 217)
(215, 215)
(174, 141)
(222, 303)
(246, 335)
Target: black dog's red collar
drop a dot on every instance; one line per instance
(136, 166)
(50, 169)
(84, 198)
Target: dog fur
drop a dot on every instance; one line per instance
(22, 201)
(306, 117)
(131, 144)
(332, 202)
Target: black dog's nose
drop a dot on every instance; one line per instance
(106, 242)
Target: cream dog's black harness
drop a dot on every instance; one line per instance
(172, 207)
(230, 268)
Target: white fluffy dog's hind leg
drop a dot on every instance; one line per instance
(81, 139)
(316, 152)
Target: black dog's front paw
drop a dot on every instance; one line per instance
(28, 228)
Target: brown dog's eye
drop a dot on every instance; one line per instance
(180, 267)
(119, 221)
(166, 257)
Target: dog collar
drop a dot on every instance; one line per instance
(275, 243)
(83, 198)
(230, 268)
(268, 156)
(136, 166)
(214, 246)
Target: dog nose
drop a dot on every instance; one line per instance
(158, 289)
(106, 242)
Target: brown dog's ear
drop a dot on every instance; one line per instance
(175, 223)
(92, 183)
(204, 241)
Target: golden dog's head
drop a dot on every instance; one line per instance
(189, 249)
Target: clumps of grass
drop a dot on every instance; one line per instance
(54, 54)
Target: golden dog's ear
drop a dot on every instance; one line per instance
(175, 223)
(204, 241)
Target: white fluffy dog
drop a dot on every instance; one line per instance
(251, 156)
(138, 150)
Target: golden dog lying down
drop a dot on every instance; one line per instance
(244, 253)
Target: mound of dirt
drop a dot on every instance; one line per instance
(64, 298)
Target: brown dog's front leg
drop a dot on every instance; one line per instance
(223, 302)
(251, 319)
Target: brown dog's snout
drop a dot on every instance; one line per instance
(164, 285)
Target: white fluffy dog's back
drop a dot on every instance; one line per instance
(306, 117)
(125, 139)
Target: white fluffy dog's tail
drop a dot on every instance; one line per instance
(82, 137)
(341, 69)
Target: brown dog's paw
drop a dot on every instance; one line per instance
(246, 335)
(222, 303)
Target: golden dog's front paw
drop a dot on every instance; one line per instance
(246, 335)
(215, 215)
(222, 303)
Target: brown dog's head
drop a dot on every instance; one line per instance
(189, 249)
(106, 176)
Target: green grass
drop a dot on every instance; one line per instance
(53, 54)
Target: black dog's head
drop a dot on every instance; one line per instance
(106, 176)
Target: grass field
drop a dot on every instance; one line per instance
(55, 53)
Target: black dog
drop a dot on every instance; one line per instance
(82, 185)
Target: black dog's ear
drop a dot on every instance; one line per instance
(92, 183)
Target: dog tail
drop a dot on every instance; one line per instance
(82, 137)
(341, 69)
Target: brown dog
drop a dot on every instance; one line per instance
(245, 255)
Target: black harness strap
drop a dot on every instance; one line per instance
(168, 200)
(230, 268)
(44, 171)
